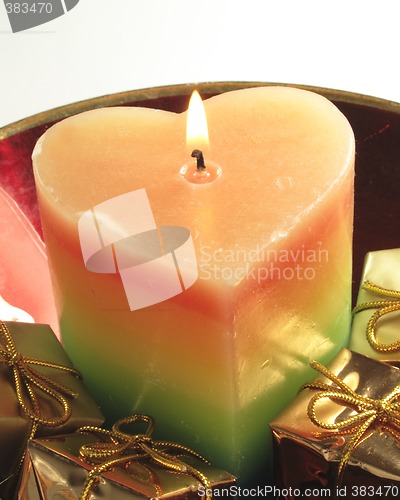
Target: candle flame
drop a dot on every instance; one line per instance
(196, 125)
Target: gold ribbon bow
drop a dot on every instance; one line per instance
(121, 448)
(383, 307)
(27, 381)
(371, 414)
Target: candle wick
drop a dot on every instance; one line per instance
(196, 153)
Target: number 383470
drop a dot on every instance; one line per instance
(25, 8)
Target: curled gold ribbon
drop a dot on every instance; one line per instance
(121, 448)
(28, 380)
(370, 414)
(383, 307)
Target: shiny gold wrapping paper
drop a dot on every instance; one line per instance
(39, 342)
(54, 466)
(307, 456)
(383, 269)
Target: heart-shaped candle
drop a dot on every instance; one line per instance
(202, 303)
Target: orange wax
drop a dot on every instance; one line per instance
(272, 236)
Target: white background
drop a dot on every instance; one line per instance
(106, 46)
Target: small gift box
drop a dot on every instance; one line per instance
(98, 463)
(376, 321)
(341, 434)
(40, 392)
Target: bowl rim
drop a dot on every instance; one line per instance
(131, 96)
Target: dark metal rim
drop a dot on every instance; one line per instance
(132, 96)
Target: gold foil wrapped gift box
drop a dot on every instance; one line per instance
(40, 394)
(342, 432)
(98, 463)
(375, 329)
